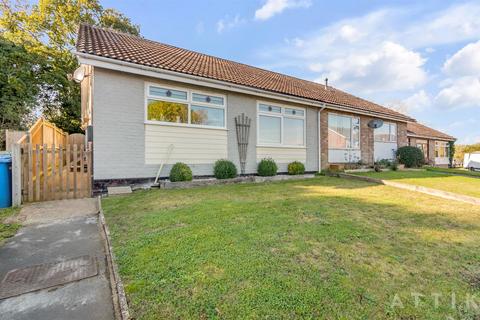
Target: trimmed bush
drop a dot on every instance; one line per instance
(410, 156)
(224, 169)
(267, 167)
(394, 166)
(296, 167)
(180, 172)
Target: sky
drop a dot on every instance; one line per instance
(421, 58)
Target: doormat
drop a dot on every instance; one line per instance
(33, 278)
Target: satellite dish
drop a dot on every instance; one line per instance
(375, 123)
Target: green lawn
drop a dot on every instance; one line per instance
(455, 171)
(431, 179)
(7, 229)
(321, 248)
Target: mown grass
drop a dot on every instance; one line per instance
(455, 171)
(8, 230)
(324, 248)
(431, 179)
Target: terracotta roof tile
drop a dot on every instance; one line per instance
(419, 130)
(120, 46)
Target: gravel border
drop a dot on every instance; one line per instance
(411, 187)
(246, 179)
(118, 293)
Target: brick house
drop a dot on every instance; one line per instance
(141, 97)
(434, 144)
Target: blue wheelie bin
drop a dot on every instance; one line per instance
(5, 180)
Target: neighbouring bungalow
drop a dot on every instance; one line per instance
(145, 103)
(433, 143)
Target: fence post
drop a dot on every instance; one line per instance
(16, 175)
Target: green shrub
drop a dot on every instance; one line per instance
(394, 165)
(410, 156)
(267, 167)
(180, 172)
(296, 167)
(332, 172)
(384, 163)
(224, 169)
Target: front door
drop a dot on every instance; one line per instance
(423, 145)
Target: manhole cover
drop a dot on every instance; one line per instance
(19, 281)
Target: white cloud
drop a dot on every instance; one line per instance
(456, 23)
(463, 92)
(200, 27)
(273, 7)
(387, 67)
(228, 23)
(379, 52)
(465, 62)
(416, 102)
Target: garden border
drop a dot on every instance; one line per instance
(246, 179)
(120, 304)
(411, 187)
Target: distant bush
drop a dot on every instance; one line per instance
(224, 169)
(410, 156)
(267, 167)
(394, 166)
(180, 172)
(296, 167)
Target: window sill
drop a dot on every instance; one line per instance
(280, 146)
(345, 149)
(182, 125)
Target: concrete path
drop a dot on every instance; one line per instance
(49, 236)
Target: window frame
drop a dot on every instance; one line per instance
(389, 133)
(282, 115)
(189, 102)
(441, 144)
(351, 130)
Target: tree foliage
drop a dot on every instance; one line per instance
(460, 150)
(20, 81)
(49, 30)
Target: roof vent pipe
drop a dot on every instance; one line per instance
(326, 83)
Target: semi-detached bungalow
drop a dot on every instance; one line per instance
(434, 144)
(144, 103)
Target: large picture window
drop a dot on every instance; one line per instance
(176, 106)
(281, 126)
(441, 149)
(386, 133)
(343, 132)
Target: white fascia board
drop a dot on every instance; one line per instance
(134, 68)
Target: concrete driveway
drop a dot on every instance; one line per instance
(53, 232)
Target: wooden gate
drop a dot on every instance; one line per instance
(51, 172)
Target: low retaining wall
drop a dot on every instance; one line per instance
(213, 181)
(411, 187)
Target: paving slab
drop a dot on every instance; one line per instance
(58, 239)
(49, 211)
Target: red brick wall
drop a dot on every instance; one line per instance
(366, 137)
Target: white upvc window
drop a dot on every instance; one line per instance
(386, 133)
(441, 149)
(343, 131)
(183, 107)
(279, 125)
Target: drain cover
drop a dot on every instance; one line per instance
(19, 281)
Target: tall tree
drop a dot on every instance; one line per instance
(21, 78)
(49, 29)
